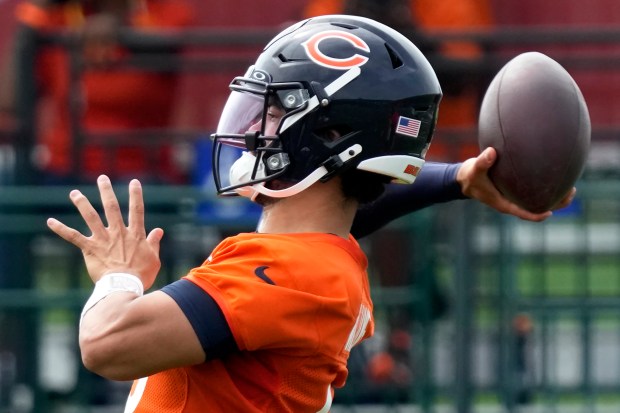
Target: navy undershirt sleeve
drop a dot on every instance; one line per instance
(205, 316)
(435, 184)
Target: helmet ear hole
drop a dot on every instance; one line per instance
(332, 134)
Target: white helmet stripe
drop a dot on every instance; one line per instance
(330, 89)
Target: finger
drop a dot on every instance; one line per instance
(538, 217)
(567, 200)
(68, 234)
(530, 216)
(154, 239)
(111, 207)
(88, 212)
(507, 207)
(136, 208)
(524, 214)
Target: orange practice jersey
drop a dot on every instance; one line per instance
(295, 304)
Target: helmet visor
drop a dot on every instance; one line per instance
(242, 113)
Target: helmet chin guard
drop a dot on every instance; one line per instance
(318, 174)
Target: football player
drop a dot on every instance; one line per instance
(334, 108)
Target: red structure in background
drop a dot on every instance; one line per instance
(7, 24)
(272, 14)
(568, 12)
(205, 94)
(598, 86)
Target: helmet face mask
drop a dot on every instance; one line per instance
(251, 120)
(328, 95)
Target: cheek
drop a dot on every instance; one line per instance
(271, 128)
(255, 127)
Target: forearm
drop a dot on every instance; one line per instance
(435, 184)
(125, 337)
(102, 337)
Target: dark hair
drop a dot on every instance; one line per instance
(363, 186)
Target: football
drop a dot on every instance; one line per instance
(536, 118)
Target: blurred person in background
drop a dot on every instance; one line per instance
(112, 99)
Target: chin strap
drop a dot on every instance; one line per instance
(322, 171)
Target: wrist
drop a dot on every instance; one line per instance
(456, 180)
(113, 283)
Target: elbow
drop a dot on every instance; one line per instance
(94, 364)
(103, 359)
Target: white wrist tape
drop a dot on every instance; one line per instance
(112, 283)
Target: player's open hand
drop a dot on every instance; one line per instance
(475, 183)
(115, 247)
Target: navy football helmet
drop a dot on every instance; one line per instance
(326, 95)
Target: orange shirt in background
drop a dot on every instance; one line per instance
(114, 100)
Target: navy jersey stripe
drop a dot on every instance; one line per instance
(205, 316)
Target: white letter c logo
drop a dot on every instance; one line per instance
(312, 50)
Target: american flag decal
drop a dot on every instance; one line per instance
(408, 126)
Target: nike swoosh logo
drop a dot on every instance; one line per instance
(260, 273)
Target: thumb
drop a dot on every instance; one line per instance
(487, 158)
(154, 238)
